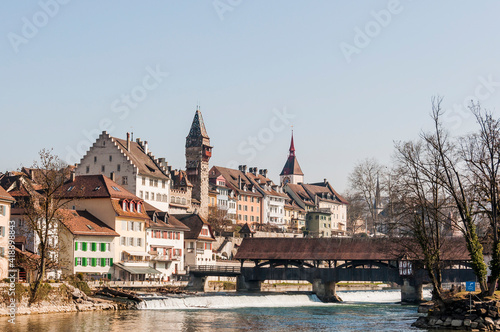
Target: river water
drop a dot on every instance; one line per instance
(361, 311)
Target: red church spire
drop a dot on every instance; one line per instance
(292, 147)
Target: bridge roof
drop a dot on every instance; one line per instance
(341, 249)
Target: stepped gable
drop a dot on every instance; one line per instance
(195, 223)
(84, 223)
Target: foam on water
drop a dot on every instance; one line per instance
(230, 301)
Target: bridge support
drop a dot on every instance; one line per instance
(243, 285)
(411, 291)
(326, 290)
(196, 284)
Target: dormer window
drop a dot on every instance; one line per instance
(139, 207)
(124, 205)
(132, 207)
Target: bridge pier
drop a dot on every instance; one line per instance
(326, 290)
(196, 284)
(411, 291)
(242, 285)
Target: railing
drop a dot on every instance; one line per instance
(215, 268)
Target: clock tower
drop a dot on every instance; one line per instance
(198, 153)
(291, 173)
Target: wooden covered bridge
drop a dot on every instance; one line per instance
(327, 261)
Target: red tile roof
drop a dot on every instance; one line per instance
(4, 195)
(95, 186)
(195, 223)
(84, 223)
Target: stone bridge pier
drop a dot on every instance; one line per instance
(243, 285)
(412, 291)
(326, 290)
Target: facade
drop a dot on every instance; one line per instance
(273, 198)
(165, 243)
(248, 198)
(318, 224)
(6, 201)
(121, 211)
(295, 216)
(226, 199)
(198, 154)
(131, 165)
(198, 241)
(180, 193)
(87, 244)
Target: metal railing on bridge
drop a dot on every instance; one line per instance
(215, 269)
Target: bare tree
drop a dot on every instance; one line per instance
(356, 214)
(42, 210)
(218, 220)
(363, 183)
(458, 185)
(481, 152)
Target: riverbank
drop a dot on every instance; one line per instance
(462, 311)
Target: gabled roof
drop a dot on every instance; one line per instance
(301, 193)
(180, 179)
(245, 229)
(161, 219)
(95, 186)
(145, 163)
(325, 187)
(260, 181)
(4, 195)
(233, 176)
(84, 223)
(195, 223)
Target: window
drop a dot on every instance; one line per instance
(138, 226)
(252, 199)
(152, 196)
(146, 195)
(246, 208)
(94, 246)
(246, 198)
(251, 208)
(130, 225)
(139, 206)
(87, 169)
(103, 168)
(124, 180)
(172, 199)
(78, 261)
(84, 246)
(103, 247)
(141, 194)
(143, 180)
(123, 241)
(150, 182)
(251, 218)
(118, 167)
(124, 205)
(239, 216)
(95, 159)
(246, 218)
(132, 206)
(139, 242)
(110, 158)
(155, 182)
(257, 219)
(163, 183)
(2, 210)
(130, 241)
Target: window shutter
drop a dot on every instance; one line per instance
(94, 261)
(103, 247)
(2, 228)
(84, 261)
(103, 262)
(76, 246)
(94, 246)
(76, 261)
(84, 246)
(110, 263)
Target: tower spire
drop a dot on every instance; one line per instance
(292, 146)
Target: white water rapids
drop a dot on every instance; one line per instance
(233, 300)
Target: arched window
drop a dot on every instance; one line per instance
(172, 199)
(178, 200)
(183, 201)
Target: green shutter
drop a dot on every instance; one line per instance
(84, 261)
(76, 246)
(103, 262)
(94, 261)
(109, 276)
(76, 261)
(110, 263)
(84, 246)
(94, 246)
(103, 247)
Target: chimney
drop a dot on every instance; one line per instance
(260, 171)
(244, 168)
(325, 181)
(146, 147)
(128, 141)
(73, 176)
(112, 176)
(253, 170)
(264, 173)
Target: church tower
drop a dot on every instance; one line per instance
(291, 173)
(198, 153)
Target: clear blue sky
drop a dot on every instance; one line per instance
(242, 60)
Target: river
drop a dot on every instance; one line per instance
(361, 311)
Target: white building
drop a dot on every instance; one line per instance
(165, 243)
(198, 241)
(131, 165)
(5, 203)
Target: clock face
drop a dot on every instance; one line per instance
(286, 180)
